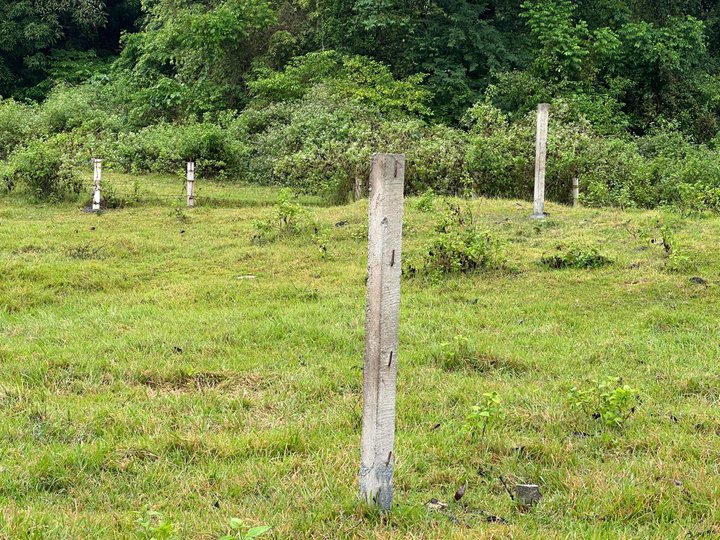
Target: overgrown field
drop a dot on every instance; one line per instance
(163, 373)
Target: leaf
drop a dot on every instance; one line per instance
(257, 531)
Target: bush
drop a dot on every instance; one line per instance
(44, 169)
(609, 401)
(18, 122)
(458, 247)
(167, 147)
(289, 219)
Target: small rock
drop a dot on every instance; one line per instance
(434, 504)
(698, 280)
(527, 494)
(460, 492)
(341, 223)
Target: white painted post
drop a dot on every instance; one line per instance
(381, 329)
(97, 177)
(191, 184)
(543, 112)
(575, 191)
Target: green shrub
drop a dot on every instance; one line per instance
(575, 256)
(484, 415)
(44, 170)
(167, 147)
(18, 123)
(426, 201)
(458, 247)
(289, 219)
(609, 401)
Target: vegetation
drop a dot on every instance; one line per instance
(300, 94)
(172, 373)
(162, 376)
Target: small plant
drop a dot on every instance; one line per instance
(484, 415)
(666, 240)
(151, 525)
(676, 261)
(680, 263)
(243, 532)
(426, 201)
(290, 219)
(575, 256)
(608, 400)
(321, 238)
(459, 247)
(180, 215)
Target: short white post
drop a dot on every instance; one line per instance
(97, 177)
(191, 184)
(575, 191)
(543, 113)
(387, 180)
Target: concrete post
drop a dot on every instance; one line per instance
(191, 184)
(543, 112)
(97, 177)
(381, 329)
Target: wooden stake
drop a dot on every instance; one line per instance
(575, 191)
(381, 328)
(191, 184)
(97, 177)
(543, 113)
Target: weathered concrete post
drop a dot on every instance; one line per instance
(191, 184)
(97, 177)
(381, 328)
(543, 112)
(575, 191)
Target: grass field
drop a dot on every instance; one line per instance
(154, 360)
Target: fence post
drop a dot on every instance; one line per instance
(97, 177)
(381, 329)
(191, 184)
(575, 191)
(543, 112)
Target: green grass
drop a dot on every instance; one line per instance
(143, 371)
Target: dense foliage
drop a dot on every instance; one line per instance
(301, 92)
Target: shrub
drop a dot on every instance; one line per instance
(458, 247)
(17, 123)
(167, 147)
(426, 201)
(289, 219)
(44, 169)
(608, 400)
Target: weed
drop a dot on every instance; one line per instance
(484, 415)
(426, 201)
(289, 219)
(150, 525)
(463, 354)
(575, 256)
(458, 247)
(85, 252)
(607, 400)
(240, 531)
